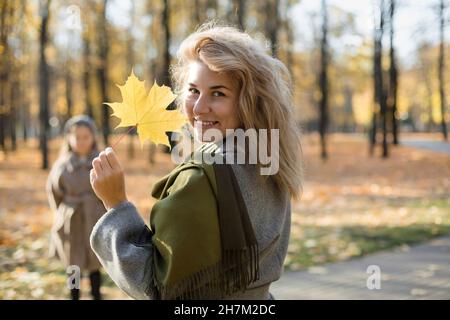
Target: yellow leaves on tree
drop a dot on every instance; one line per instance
(147, 111)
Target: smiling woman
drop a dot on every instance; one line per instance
(211, 100)
(217, 230)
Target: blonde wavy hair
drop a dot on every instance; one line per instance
(265, 97)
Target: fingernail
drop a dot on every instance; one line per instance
(109, 149)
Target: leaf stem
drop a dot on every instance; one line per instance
(123, 135)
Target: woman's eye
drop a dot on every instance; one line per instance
(218, 94)
(193, 90)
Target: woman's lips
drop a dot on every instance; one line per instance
(205, 124)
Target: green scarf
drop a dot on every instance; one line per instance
(205, 244)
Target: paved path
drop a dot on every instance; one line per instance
(437, 146)
(417, 272)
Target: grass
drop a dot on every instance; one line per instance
(326, 245)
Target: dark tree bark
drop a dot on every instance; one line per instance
(68, 83)
(441, 68)
(15, 103)
(87, 66)
(373, 132)
(44, 82)
(272, 22)
(25, 115)
(3, 73)
(6, 16)
(102, 71)
(290, 49)
(151, 153)
(196, 13)
(239, 12)
(323, 82)
(151, 38)
(430, 123)
(13, 84)
(349, 123)
(380, 94)
(393, 76)
(22, 93)
(164, 75)
(426, 79)
(153, 64)
(130, 63)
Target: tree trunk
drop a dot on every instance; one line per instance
(239, 11)
(130, 63)
(380, 95)
(68, 82)
(152, 63)
(151, 153)
(290, 50)
(15, 103)
(323, 82)
(349, 123)
(44, 83)
(164, 75)
(86, 74)
(393, 77)
(373, 132)
(271, 24)
(102, 71)
(25, 117)
(441, 68)
(22, 92)
(4, 72)
(430, 123)
(196, 10)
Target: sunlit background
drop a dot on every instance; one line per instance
(61, 58)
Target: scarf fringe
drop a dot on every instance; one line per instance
(233, 273)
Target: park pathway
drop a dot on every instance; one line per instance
(416, 272)
(437, 146)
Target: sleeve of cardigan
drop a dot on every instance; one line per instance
(122, 242)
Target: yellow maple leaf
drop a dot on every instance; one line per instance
(147, 111)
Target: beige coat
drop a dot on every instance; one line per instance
(76, 209)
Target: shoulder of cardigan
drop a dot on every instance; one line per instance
(190, 168)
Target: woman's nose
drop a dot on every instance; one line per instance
(201, 105)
